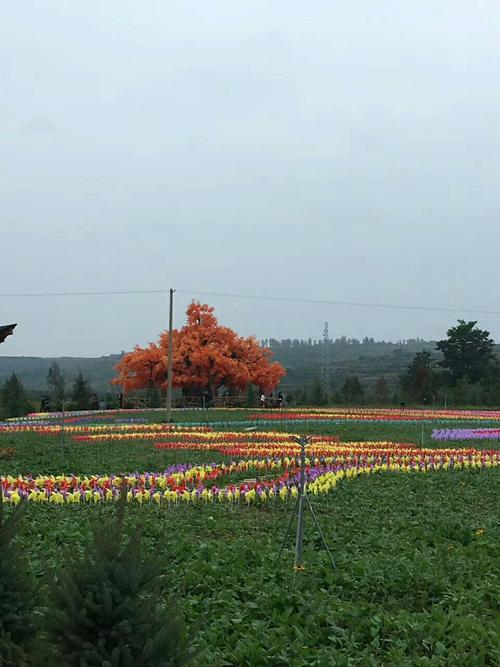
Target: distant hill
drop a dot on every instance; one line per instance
(303, 359)
(33, 370)
(345, 357)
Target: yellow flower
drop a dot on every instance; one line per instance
(250, 496)
(299, 568)
(15, 498)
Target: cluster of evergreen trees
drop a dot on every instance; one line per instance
(106, 608)
(14, 400)
(462, 370)
(352, 393)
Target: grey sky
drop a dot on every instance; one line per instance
(339, 150)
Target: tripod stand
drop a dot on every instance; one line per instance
(299, 510)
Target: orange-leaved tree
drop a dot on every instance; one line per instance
(206, 357)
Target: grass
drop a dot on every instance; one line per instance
(418, 559)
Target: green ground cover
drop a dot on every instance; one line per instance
(417, 555)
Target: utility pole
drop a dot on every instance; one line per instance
(170, 356)
(325, 370)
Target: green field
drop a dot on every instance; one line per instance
(417, 557)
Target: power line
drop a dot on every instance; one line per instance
(329, 302)
(94, 293)
(259, 297)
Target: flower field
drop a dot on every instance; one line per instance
(327, 464)
(414, 529)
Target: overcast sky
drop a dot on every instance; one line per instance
(347, 151)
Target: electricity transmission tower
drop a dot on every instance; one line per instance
(325, 366)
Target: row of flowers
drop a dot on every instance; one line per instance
(191, 483)
(113, 418)
(127, 427)
(88, 417)
(321, 446)
(466, 434)
(191, 437)
(376, 414)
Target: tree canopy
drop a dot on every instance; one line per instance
(353, 389)
(382, 390)
(13, 399)
(420, 378)
(56, 383)
(80, 397)
(206, 356)
(467, 351)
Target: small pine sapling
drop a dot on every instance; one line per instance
(16, 594)
(107, 607)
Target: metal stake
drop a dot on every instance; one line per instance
(320, 532)
(299, 539)
(288, 529)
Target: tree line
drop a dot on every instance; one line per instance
(15, 401)
(462, 369)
